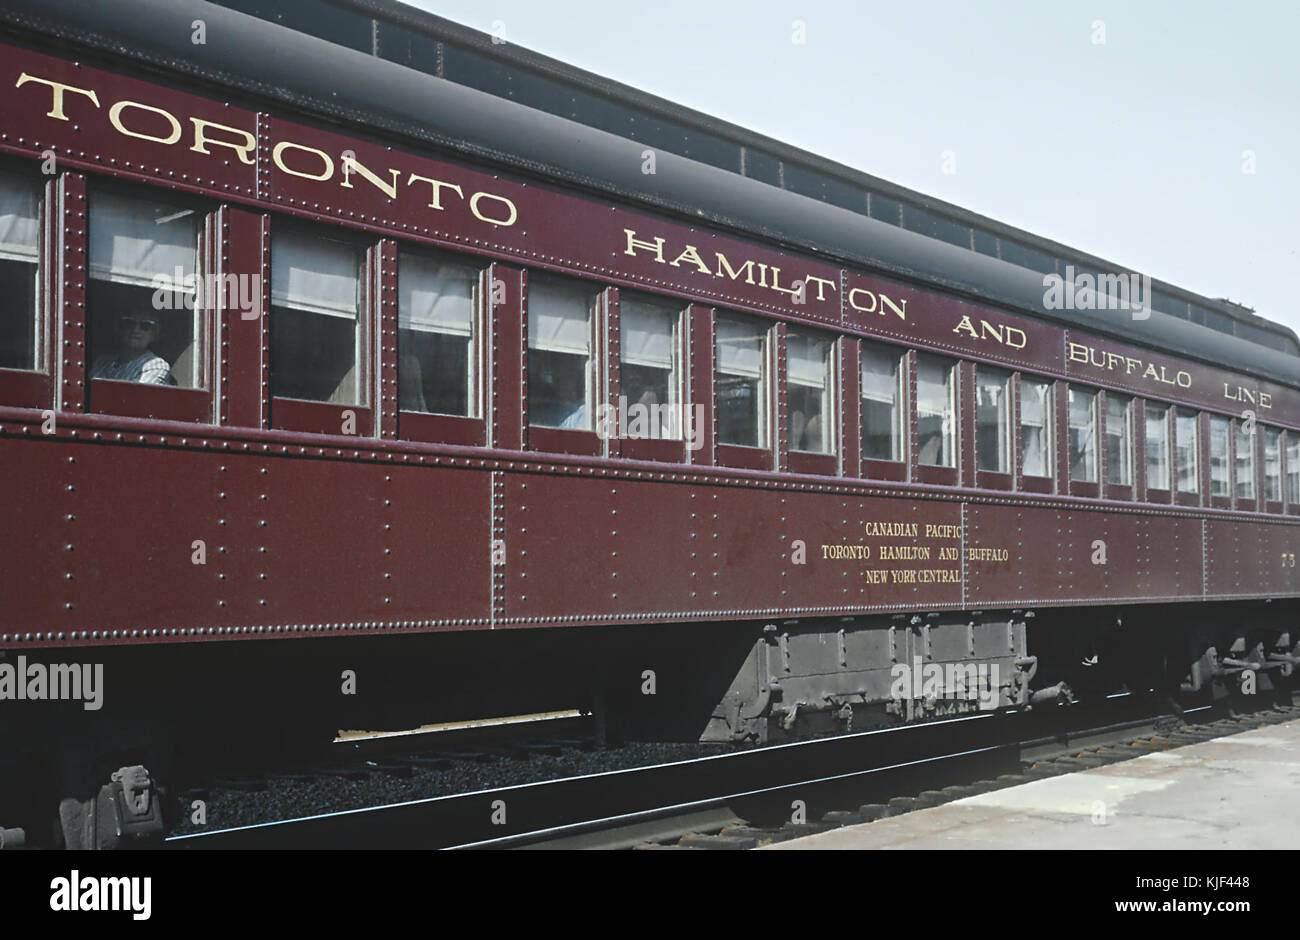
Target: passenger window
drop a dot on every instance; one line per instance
(1119, 435)
(808, 357)
(1157, 446)
(992, 419)
(19, 252)
(1219, 428)
(1272, 465)
(436, 367)
(649, 363)
(881, 428)
(144, 310)
(1185, 447)
(1035, 427)
(936, 431)
(1245, 461)
(741, 381)
(559, 353)
(315, 319)
(1292, 468)
(1083, 436)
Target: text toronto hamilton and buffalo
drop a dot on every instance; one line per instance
(149, 122)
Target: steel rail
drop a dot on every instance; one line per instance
(623, 801)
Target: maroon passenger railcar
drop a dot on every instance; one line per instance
(320, 369)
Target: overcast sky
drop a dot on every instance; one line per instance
(1162, 136)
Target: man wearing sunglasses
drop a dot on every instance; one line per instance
(134, 362)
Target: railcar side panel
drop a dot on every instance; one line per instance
(133, 537)
(1031, 568)
(1250, 561)
(746, 534)
(441, 559)
(1173, 544)
(355, 543)
(830, 530)
(101, 534)
(586, 548)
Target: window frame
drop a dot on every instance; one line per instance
(1155, 494)
(662, 450)
(322, 417)
(34, 387)
(1185, 497)
(745, 456)
(571, 441)
(1086, 488)
(1216, 501)
(1119, 491)
(1247, 503)
(813, 462)
(1290, 506)
(1033, 483)
(873, 468)
(1272, 505)
(159, 402)
(996, 479)
(430, 427)
(936, 473)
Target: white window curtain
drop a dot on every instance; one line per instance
(646, 334)
(314, 274)
(740, 348)
(879, 375)
(142, 242)
(435, 297)
(19, 235)
(934, 386)
(1033, 404)
(807, 361)
(993, 391)
(559, 318)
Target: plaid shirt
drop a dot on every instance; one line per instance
(146, 368)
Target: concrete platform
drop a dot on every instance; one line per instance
(1236, 792)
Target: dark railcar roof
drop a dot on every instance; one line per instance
(815, 204)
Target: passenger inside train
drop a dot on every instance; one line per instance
(133, 360)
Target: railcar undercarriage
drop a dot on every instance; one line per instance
(806, 677)
(100, 772)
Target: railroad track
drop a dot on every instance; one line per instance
(745, 798)
(1040, 759)
(363, 770)
(515, 814)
